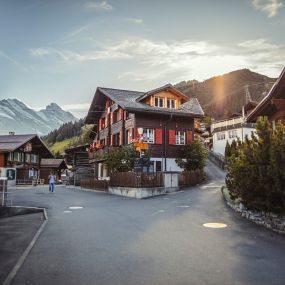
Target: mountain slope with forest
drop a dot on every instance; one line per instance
(220, 96)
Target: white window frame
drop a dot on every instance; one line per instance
(233, 134)
(148, 135)
(221, 136)
(180, 138)
(159, 101)
(34, 158)
(171, 103)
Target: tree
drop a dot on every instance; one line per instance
(256, 173)
(193, 156)
(121, 159)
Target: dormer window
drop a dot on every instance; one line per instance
(171, 103)
(158, 102)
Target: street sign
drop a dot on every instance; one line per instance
(141, 146)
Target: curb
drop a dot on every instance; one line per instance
(23, 257)
(248, 215)
(85, 189)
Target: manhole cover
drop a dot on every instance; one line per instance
(215, 225)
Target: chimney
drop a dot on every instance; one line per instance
(11, 133)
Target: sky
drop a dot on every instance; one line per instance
(62, 50)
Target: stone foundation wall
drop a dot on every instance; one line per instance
(269, 220)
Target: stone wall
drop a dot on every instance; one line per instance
(139, 193)
(269, 220)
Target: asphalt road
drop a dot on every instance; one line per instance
(159, 241)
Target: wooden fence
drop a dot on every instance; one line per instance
(190, 178)
(136, 179)
(92, 183)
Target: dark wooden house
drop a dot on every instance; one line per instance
(51, 165)
(78, 158)
(163, 118)
(21, 156)
(273, 105)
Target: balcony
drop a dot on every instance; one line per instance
(231, 124)
(100, 154)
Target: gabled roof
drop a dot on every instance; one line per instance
(9, 143)
(166, 87)
(53, 163)
(131, 101)
(277, 91)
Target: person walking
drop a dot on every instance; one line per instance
(51, 181)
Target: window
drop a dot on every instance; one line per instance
(158, 102)
(171, 103)
(129, 136)
(116, 139)
(10, 156)
(19, 157)
(233, 134)
(158, 166)
(221, 136)
(179, 137)
(28, 158)
(148, 136)
(34, 158)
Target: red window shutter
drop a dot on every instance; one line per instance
(121, 137)
(137, 133)
(111, 118)
(100, 124)
(189, 136)
(158, 136)
(171, 138)
(120, 114)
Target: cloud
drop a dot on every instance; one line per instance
(69, 56)
(104, 5)
(10, 59)
(179, 60)
(77, 107)
(134, 21)
(270, 7)
(146, 60)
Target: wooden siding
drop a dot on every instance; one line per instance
(153, 121)
(165, 95)
(2, 159)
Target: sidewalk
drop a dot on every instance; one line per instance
(16, 234)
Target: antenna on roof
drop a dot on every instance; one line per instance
(247, 94)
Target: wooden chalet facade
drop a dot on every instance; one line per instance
(77, 156)
(164, 116)
(20, 156)
(273, 105)
(52, 165)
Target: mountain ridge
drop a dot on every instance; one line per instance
(222, 95)
(16, 116)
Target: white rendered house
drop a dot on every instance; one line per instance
(229, 130)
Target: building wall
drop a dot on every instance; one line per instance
(2, 159)
(165, 123)
(219, 146)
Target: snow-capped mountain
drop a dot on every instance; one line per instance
(16, 117)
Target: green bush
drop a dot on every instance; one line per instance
(256, 168)
(193, 156)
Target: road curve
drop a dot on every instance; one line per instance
(159, 241)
